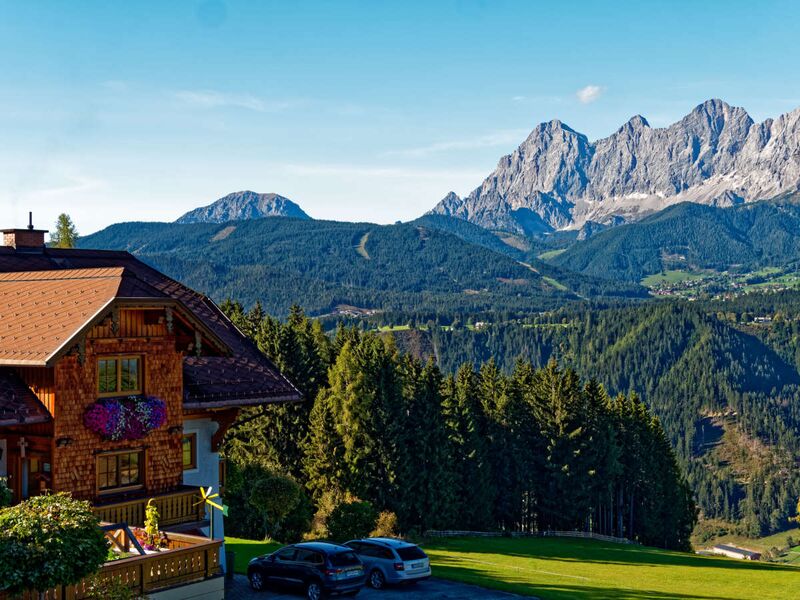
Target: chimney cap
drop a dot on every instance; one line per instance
(15, 229)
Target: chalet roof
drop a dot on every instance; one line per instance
(42, 311)
(18, 404)
(244, 377)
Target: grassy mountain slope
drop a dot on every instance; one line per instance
(747, 237)
(527, 251)
(324, 265)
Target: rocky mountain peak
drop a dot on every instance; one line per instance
(243, 205)
(557, 179)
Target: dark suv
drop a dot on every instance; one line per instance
(318, 568)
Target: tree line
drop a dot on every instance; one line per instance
(530, 449)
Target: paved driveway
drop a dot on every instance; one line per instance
(432, 589)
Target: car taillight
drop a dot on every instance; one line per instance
(333, 572)
(399, 567)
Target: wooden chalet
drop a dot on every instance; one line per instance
(82, 327)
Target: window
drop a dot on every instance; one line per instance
(375, 551)
(120, 470)
(189, 451)
(119, 375)
(309, 557)
(223, 475)
(344, 559)
(286, 555)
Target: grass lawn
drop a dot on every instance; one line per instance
(558, 569)
(247, 549)
(562, 569)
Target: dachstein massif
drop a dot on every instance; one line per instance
(558, 179)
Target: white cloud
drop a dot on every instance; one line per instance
(517, 98)
(498, 138)
(215, 99)
(589, 94)
(355, 171)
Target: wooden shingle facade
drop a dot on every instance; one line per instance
(86, 333)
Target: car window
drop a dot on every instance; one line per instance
(309, 557)
(344, 559)
(411, 553)
(357, 546)
(287, 554)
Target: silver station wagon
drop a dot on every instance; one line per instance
(391, 561)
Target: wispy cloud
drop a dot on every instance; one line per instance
(74, 183)
(216, 99)
(360, 171)
(589, 94)
(498, 138)
(517, 98)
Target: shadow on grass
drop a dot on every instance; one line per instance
(560, 591)
(593, 551)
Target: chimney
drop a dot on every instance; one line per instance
(28, 239)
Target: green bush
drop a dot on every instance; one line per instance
(5, 492)
(386, 525)
(48, 541)
(263, 503)
(351, 520)
(106, 588)
(297, 523)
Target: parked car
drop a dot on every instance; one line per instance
(318, 568)
(387, 560)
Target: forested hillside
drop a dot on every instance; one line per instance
(531, 450)
(729, 401)
(333, 267)
(692, 236)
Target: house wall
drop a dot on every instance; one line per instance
(207, 471)
(76, 384)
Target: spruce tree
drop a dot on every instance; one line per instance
(65, 234)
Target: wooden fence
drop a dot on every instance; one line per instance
(173, 508)
(189, 559)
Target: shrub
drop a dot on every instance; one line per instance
(5, 492)
(386, 525)
(266, 504)
(106, 588)
(297, 522)
(351, 520)
(151, 517)
(48, 541)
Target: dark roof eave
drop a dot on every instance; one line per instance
(28, 421)
(199, 404)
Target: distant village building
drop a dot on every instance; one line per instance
(734, 552)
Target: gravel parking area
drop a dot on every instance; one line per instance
(432, 589)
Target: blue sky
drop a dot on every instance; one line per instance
(370, 111)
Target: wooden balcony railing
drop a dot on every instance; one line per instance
(173, 508)
(189, 559)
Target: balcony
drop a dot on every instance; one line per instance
(187, 561)
(174, 508)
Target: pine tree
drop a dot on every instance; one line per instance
(425, 477)
(65, 235)
(466, 431)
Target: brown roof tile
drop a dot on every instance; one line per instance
(40, 311)
(246, 377)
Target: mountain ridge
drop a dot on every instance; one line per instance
(557, 179)
(239, 206)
